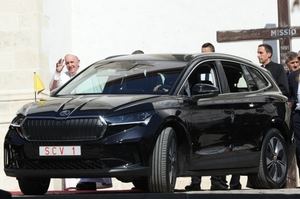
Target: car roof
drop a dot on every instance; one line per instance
(185, 58)
(152, 57)
(174, 57)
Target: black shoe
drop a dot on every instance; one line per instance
(5, 194)
(92, 185)
(218, 187)
(218, 183)
(193, 187)
(236, 187)
(86, 186)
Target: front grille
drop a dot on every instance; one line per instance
(63, 164)
(52, 129)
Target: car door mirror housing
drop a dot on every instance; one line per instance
(201, 90)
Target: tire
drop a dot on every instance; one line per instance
(34, 186)
(273, 166)
(164, 162)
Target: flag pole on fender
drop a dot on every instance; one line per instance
(37, 85)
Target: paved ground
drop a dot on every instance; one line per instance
(179, 194)
(123, 191)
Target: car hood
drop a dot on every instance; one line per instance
(87, 105)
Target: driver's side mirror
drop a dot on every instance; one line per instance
(201, 90)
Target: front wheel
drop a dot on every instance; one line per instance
(273, 165)
(34, 186)
(164, 162)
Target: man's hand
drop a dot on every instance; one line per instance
(60, 65)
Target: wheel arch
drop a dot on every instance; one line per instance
(283, 128)
(183, 141)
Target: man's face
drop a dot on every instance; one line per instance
(72, 64)
(263, 56)
(293, 64)
(206, 50)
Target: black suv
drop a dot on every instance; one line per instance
(147, 119)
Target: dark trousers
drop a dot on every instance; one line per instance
(213, 179)
(235, 181)
(219, 180)
(296, 125)
(4, 194)
(196, 179)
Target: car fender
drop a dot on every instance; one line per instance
(183, 139)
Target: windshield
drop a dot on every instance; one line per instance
(125, 77)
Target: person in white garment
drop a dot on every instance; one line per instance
(60, 77)
(71, 63)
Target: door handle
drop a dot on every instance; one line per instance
(231, 113)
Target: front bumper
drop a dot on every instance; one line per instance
(128, 170)
(115, 155)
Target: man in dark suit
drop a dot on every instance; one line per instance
(292, 61)
(264, 55)
(293, 81)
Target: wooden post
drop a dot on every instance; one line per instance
(283, 33)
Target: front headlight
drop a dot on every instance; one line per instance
(16, 124)
(17, 121)
(130, 119)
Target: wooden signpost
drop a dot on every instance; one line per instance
(284, 32)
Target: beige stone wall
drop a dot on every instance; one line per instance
(20, 56)
(20, 42)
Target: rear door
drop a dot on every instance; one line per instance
(248, 103)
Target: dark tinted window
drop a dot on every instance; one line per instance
(204, 73)
(259, 80)
(235, 77)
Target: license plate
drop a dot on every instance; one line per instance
(59, 150)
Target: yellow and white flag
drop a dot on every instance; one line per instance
(38, 84)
